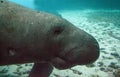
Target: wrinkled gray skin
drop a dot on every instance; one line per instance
(30, 36)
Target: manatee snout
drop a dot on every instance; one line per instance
(79, 48)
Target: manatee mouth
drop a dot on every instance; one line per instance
(76, 56)
(65, 59)
(61, 63)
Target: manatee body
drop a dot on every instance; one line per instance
(31, 36)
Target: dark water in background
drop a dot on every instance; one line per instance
(77, 4)
(55, 5)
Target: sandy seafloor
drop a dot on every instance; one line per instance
(104, 25)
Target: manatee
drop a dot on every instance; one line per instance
(34, 36)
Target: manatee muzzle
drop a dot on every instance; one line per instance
(78, 54)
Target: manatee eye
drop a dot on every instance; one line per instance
(58, 30)
(1, 1)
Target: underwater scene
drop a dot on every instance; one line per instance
(90, 26)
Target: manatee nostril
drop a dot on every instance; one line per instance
(94, 53)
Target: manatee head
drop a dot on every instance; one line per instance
(76, 47)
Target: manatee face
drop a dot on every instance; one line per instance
(76, 46)
(31, 36)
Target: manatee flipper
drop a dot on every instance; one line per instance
(41, 70)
